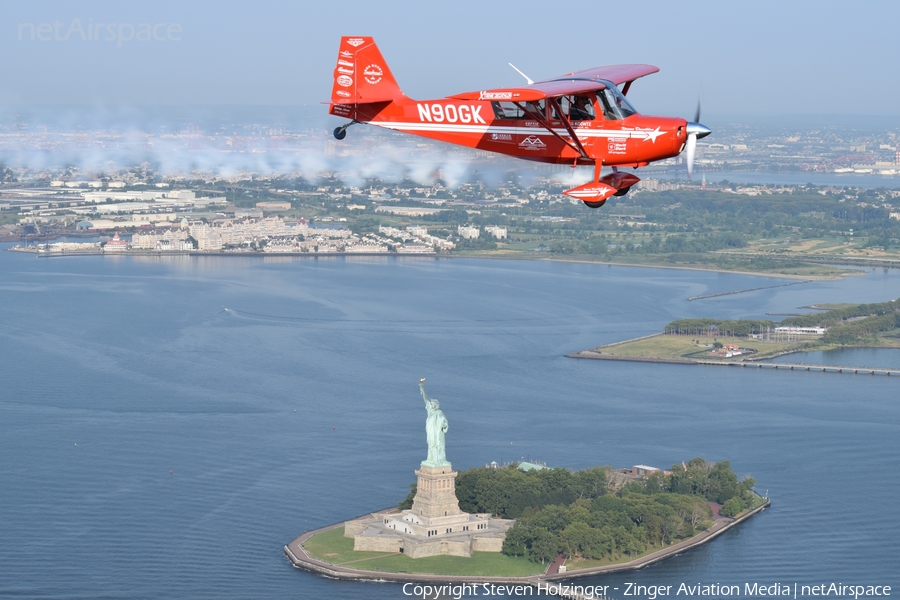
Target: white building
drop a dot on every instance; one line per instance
(469, 232)
(801, 330)
(497, 232)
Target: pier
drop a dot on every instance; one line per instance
(767, 287)
(800, 367)
(887, 372)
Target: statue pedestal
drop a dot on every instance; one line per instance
(435, 525)
(435, 501)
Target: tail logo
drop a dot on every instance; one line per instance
(356, 42)
(373, 74)
(344, 81)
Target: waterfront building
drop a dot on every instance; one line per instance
(115, 245)
(801, 330)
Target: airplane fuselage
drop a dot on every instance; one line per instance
(634, 141)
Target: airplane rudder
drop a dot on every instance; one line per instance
(361, 74)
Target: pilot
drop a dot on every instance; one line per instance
(580, 109)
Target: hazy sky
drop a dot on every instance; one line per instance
(747, 58)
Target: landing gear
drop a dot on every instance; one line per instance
(341, 132)
(595, 204)
(622, 192)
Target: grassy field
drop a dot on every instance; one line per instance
(710, 261)
(692, 347)
(331, 546)
(887, 339)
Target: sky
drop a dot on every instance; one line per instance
(761, 58)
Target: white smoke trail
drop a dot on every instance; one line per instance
(44, 142)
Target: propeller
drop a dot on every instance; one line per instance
(695, 131)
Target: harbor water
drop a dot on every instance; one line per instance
(167, 424)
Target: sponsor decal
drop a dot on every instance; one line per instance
(346, 54)
(501, 137)
(532, 142)
(345, 63)
(356, 42)
(495, 95)
(617, 148)
(450, 113)
(343, 93)
(342, 109)
(344, 81)
(373, 74)
(345, 71)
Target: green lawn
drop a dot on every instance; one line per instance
(683, 346)
(331, 546)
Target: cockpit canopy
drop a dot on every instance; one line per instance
(609, 101)
(614, 104)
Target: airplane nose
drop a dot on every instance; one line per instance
(701, 131)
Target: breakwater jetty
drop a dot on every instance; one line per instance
(845, 370)
(802, 367)
(767, 287)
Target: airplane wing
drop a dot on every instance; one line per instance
(578, 82)
(618, 74)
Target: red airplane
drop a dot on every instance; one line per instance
(581, 118)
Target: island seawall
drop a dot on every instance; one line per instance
(301, 560)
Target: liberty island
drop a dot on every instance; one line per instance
(435, 528)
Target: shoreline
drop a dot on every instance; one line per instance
(761, 363)
(298, 557)
(856, 267)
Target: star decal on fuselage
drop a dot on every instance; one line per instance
(652, 135)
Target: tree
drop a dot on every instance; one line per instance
(732, 507)
(517, 538)
(544, 546)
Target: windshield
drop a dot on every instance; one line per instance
(615, 106)
(513, 110)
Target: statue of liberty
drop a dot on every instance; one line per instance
(435, 427)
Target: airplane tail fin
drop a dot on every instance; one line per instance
(361, 75)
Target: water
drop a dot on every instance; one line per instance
(296, 406)
(879, 358)
(855, 180)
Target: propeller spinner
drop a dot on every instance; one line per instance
(695, 131)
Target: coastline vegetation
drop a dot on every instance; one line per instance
(598, 514)
(851, 325)
(803, 233)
